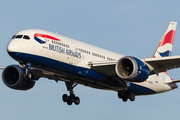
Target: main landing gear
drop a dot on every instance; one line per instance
(71, 98)
(125, 95)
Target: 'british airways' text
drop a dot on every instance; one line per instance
(64, 51)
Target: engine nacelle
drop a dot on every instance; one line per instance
(13, 77)
(132, 69)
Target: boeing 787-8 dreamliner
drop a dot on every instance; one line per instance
(45, 54)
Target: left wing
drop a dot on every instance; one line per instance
(37, 73)
(104, 67)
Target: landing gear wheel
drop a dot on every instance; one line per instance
(70, 99)
(72, 96)
(125, 95)
(65, 98)
(120, 94)
(77, 101)
(69, 102)
(124, 99)
(132, 96)
(29, 75)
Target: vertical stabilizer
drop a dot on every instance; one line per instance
(165, 45)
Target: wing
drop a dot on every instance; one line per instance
(37, 73)
(156, 65)
(104, 67)
(162, 64)
(2, 67)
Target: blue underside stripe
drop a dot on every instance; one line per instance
(140, 90)
(58, 66)
(75, 70)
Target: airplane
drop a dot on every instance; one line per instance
(43, 54)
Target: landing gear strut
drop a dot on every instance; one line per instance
(27, 67)
(125, 95)
(71, 98)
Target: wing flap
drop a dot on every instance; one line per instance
(104, 67)
(101, 63)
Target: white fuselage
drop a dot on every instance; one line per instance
(67, 52)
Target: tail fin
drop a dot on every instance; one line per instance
(165, 45)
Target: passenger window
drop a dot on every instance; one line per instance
(26, 37)
(19, 36)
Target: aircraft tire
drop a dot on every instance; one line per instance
(69, 102)
(132, 97)
(120, 94)
(124, 99)
(77, 101)
(65, 98)
(72, 96)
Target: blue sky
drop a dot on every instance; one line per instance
(126, 27)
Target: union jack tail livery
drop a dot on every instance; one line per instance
(165, 45)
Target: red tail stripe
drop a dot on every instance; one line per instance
(168, 38)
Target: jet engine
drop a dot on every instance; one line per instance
(132, 69)
(13, 77)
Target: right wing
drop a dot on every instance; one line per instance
(162, 64)
(156, 65)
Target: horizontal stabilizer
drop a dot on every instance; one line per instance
(173, 81)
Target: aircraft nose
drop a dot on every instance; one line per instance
(13, 48)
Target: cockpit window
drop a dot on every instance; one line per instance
(21, 36)
(26, 37)
(13, 37)
(18, 36)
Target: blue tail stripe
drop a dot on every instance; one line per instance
(165, 54)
